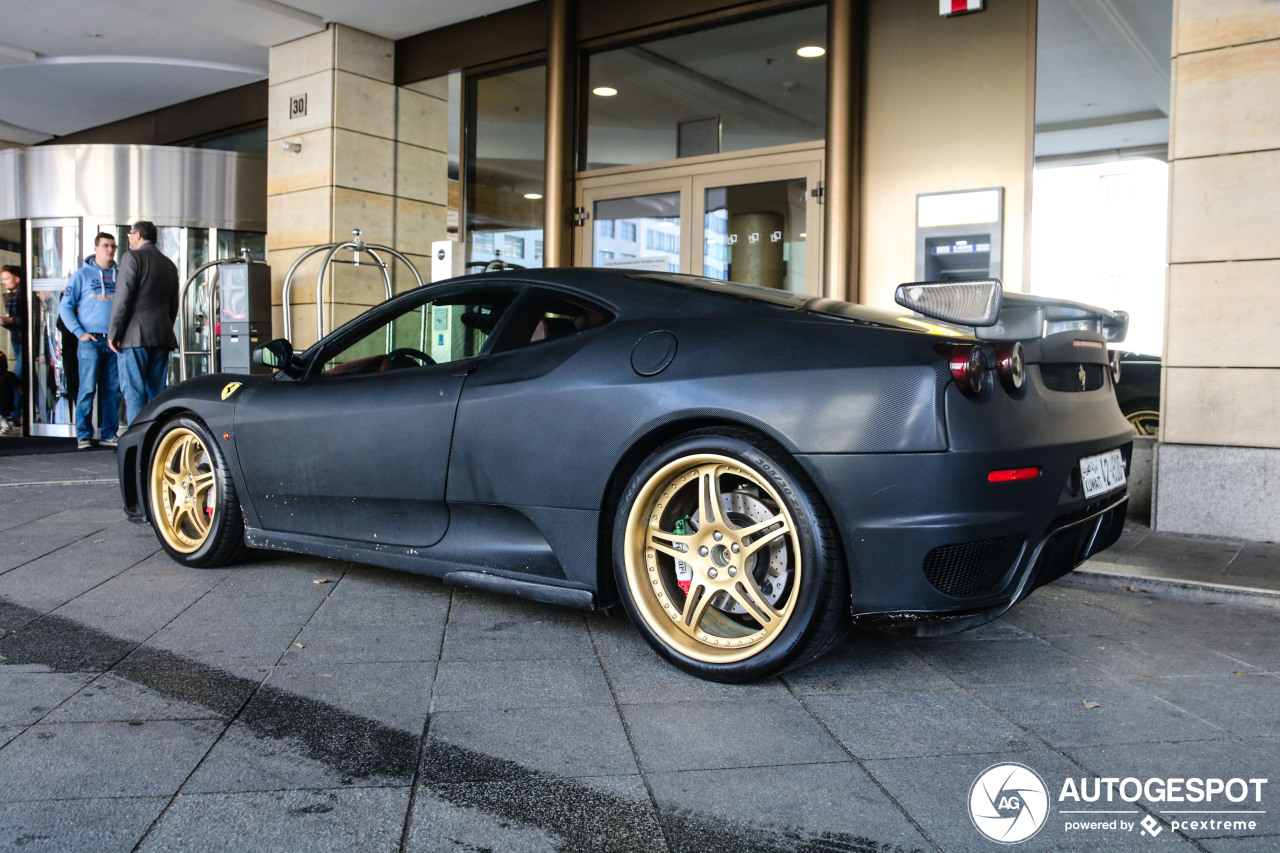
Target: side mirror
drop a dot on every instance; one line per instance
(278, 354)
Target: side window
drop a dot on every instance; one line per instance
(452, 326)
(549, 316)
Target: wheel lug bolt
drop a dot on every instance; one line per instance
(704, 550)
(717, 536)
(712, 573)
(735, 548)
(733, 571)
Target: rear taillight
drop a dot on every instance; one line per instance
(968, 368)
(1113, 361)
(1011, 366)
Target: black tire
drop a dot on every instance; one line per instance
(753, 604)
(191, 498)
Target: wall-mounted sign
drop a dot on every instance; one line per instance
(297, 106)
(947, 8)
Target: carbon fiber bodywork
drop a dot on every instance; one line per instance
(503, 471)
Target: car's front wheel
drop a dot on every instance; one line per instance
(726, 558)
(192, 500)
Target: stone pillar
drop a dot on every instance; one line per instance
(336, 162)
(1218, 466)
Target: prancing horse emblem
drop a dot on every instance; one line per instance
(1084, 379)
(231, 388)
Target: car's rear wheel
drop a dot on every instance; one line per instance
(726, 558)
(1144, 415)
(192, 500)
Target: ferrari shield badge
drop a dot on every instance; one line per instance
(230, 389)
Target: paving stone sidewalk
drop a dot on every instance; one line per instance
(303, 704)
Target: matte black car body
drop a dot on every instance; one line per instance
(505, 471)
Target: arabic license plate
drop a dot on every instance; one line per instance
(1102, 473)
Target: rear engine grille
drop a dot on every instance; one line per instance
(1066, 376)
(971, 568)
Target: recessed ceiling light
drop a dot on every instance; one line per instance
(604, 91)
(533, 196)
(811, 51)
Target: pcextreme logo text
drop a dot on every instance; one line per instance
(1010, 803)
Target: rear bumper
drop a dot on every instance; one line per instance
(928, 538)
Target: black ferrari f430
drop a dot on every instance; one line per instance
(748, 472)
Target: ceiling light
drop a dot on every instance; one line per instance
(811, 51)
(533, 196)
(604, 91)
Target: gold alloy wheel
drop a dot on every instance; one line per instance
(720, 556)
(183, 490)
(1145, 421)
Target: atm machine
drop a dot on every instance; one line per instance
(959, 235)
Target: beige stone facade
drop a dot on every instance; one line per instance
(1218, 469)
(366, 155)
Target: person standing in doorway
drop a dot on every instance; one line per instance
(15, 320)
(141, 328)
(86, 312)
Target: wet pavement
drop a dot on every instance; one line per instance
(303, 704)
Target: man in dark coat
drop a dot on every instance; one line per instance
(141, 327)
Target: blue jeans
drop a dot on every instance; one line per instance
(98, 372)
(142, 376)
(17, 369)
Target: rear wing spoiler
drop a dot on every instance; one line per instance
(998, 316)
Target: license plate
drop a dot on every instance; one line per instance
(1102, 473)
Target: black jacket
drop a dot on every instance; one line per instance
(146, 300)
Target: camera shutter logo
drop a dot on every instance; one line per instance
(1008, 803)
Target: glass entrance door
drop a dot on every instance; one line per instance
(54, 249)
(754, 220)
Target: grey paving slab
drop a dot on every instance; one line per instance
(1001, 661)
(536, 813)
(86, 760)
(359, 579)
(26, 697)
(866, 663)
(374, 644)
(614, 634)
(77, 826)
(396, 695)
(936, 795)
(1058, 610)
(1149, 655)
(245, 759)
(706, 735)
(811, 806)
(344, 609)
(8, 733)
(1254, 844)
(1057, 712)
(501, 685)
(1221, 759)
(368, 819)
(1244, 705)
(639, 679)
(112, 698)
(485, 627)
(942, 722)
(586, 740)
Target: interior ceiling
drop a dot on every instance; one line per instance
(1102, 80)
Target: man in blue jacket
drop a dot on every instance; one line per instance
(86, 311)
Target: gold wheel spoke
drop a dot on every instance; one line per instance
(710, 503)
(199, 520)
(174, 515)
(748, 594)
(751, 548)
(695, 607)
(171, 478)
(664, 542)
(190, 451)
(203, 482)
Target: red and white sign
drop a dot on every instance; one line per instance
(947, 8)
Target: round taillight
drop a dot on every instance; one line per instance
(968, 368)
(1011, 366)
(1113, 361)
